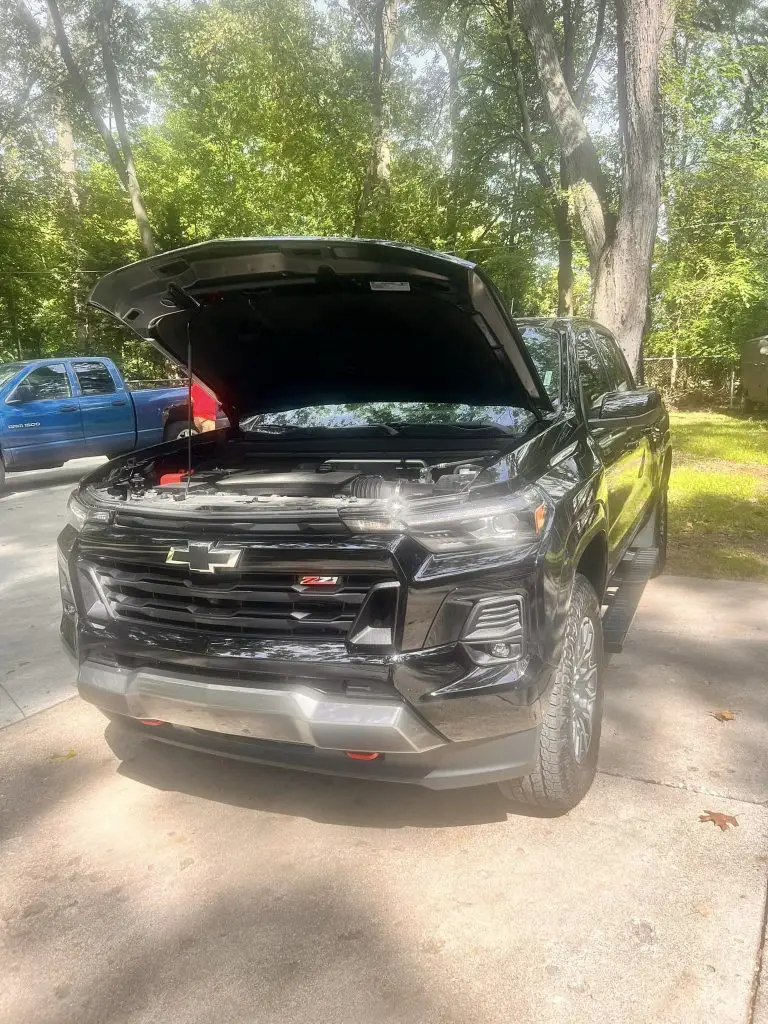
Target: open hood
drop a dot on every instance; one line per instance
(279, 323)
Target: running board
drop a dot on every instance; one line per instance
(630, 580)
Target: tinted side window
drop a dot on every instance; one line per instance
(544, 346)
(45, 383)
(592, 373)
(94, 378)
(621, 378)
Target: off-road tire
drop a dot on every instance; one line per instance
(559, 781)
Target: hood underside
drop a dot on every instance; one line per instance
(276, 324)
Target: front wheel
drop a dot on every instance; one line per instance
(570, 732)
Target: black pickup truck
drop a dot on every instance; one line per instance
(406, 557)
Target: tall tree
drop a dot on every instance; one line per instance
(453, 52)
(120, 153)
(378, 170)
(619, 241)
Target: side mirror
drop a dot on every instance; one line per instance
(23, 393)
(633, 408)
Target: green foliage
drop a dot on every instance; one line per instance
(711, 274)
(252, 119)
(718, 497)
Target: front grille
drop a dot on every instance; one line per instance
(248, 602)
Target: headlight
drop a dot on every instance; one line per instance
(443, 525)
(78, 513)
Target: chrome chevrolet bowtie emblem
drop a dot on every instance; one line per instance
(202, 557)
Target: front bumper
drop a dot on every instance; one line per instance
(295, 726)
(449, 766)
(295, 715)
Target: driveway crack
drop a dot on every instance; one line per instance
(758, 974)
(682, 786)
(10, 698)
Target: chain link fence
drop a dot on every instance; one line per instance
(694, 381)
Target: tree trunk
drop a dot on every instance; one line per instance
(122, 163)
(620, 249)
(115, 98)
(562, 218)
(453, 61)
(67, 163)
(82, 92)
(623, 280)
(378, 170)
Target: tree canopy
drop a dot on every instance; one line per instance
(129, 127)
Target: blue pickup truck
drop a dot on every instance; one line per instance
(52, 410)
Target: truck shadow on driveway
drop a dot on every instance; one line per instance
(322, 798)
(21, 483)
(67, 475)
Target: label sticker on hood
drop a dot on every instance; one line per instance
(390, 286)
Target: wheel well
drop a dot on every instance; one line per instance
(593, 563)
(176, 413)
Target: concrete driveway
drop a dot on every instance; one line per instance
(32, 513)
(144, 884)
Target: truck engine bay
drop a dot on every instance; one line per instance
(215, 484)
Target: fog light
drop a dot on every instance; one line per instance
(496, 652)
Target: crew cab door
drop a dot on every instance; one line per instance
(622, 447)
(109, 422)
(42, 420)
(639, 465)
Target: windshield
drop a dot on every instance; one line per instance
(8, 370)
(506, 418)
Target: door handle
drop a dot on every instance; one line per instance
(68, 408)
(119, 401)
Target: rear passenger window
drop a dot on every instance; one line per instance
(593, 376)
(94, 378)
(544, 345)
(618, 371)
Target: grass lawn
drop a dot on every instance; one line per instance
(718, 496)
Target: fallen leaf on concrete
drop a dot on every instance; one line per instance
(718, 818)
(60, 758)
(723, 715)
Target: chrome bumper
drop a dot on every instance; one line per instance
(296, 715)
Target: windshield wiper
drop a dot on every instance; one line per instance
(280, 430)
(487, 427)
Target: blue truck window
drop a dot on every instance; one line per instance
(94, 378)
(43, 384)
